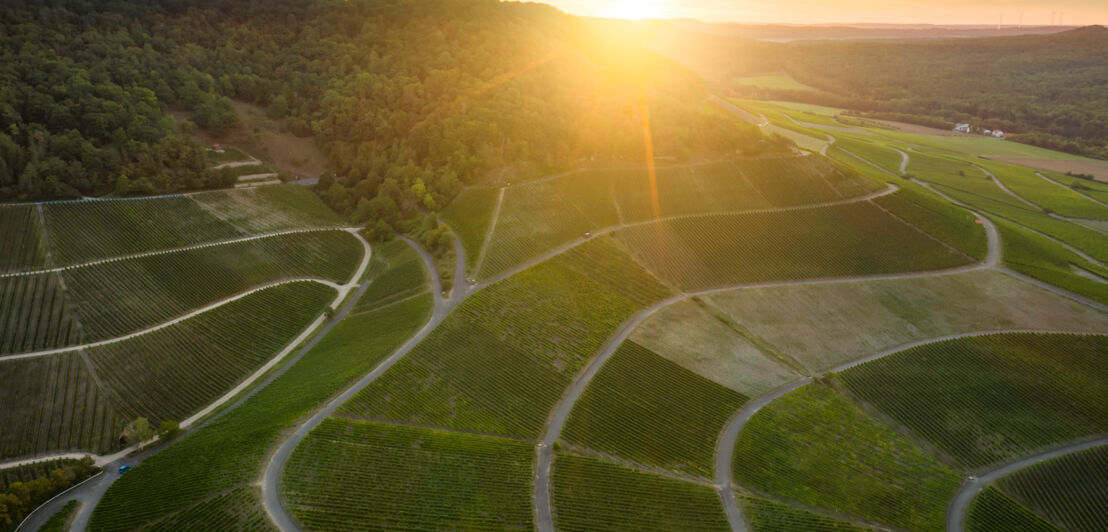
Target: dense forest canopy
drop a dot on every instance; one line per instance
(410, 99)
(1047, 89)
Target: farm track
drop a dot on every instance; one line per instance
(956, 514)
(90, 492)
(179, 249)
(270, 481)
(903, 161)
(611, 229)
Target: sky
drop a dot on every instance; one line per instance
(1035, 12)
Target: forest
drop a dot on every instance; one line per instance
(409, 99)
(1046, 90)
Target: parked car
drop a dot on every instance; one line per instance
(124, 468)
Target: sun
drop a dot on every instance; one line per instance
(632, 10)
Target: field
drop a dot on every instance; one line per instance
(776, 80)
(268, 209)
(590, 494)
(647, 409)
(21, 246)
(952, 225)
(1063, 201)
(993, 510)
(179, 480)
(769, 516)
(1068, 490)
(1038, 257)
(28, 472)
(992, 398)
(825, 325)
(397, 272)
(716, 251)
(815, 447)
(351, 475)
(502, 358)
(697, 338)
(34, 314)
(469, 215)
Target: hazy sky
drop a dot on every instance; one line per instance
(1035, 12)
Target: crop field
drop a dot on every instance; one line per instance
(875, 150)
(992, 398)
(235, 508)
(114, 298)
(698, 339)
(503, 358)
(53, 403)
(1069, 490)
(35, 314)
(1038, 257)
(1023, 181)
(589, 494)
(469, 215)
(937, 217)
(717, 251)
(792, 181)
(21, 246)
(350, 475)
(776, 80)
(647, 409)
(815, 447)
(397, 272)
(993, 510)
(172, 372)
(86, 230)
(268, 209)
(822, 326)
(180, 478)
(769, 516)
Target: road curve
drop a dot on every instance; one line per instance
(903, 161)
(270, 482)
(956, 513)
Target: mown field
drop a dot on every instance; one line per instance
(992, 398)
(647, 409)
(350, 475)
(503, 358)
(188, 483)
(815, 447)
(591, 494)
(1068, 490)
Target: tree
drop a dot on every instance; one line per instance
(140, 430)
(168, 429)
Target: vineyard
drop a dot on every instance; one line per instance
(993, 510)
(21, 245)
(769, 516)
(714, 251)
(469, 215)
(992, 398)
(1064, 201)
(1069, 490)
(34, 314)
(177, 481)
(647, 409)
(503, 358)
(942, 220)
(826, 325)
(268, 209)
(815, 447)
(28, 472)
(396, 272)
(591, 494)
(349, 475)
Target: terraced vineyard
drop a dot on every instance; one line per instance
(1068, 490)
(815, 447)
(417, 479)
(268, 209)
(992, 398)
(714, 251)
(592, 494)
(21, 247)
(645, 408)
(34, 314)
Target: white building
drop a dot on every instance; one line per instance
(962, 128)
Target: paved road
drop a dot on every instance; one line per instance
(955, 515)
(271, 493)
(91, 492)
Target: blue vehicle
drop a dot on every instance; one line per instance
(124, 468)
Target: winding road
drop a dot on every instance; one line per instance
(956, 514)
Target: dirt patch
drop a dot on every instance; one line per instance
(1098, 169)
(268, 140)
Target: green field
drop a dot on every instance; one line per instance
(469, 215)
(937, 217)
(1068, 490)
(717, 251)
(815, 447)
(776, 80)
(350, 475)
(184, 480)
(21, 244)
(396, 272)
(993, 510)
(502, 359)
(647, 409)
(35, 314)
(992, 398)
(1043, 259)
(1063, 201)
(269, 209)
(589, 494)
(769, 516)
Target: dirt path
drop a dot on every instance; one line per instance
(488, 232)
(956, 514)
(903, 161)
(270, 481)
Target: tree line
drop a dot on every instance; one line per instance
(20, 498)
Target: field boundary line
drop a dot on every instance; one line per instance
(179, 249)
(588, 452)
(488, 233)
(956, 512)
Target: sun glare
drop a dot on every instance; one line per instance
(632, 10)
